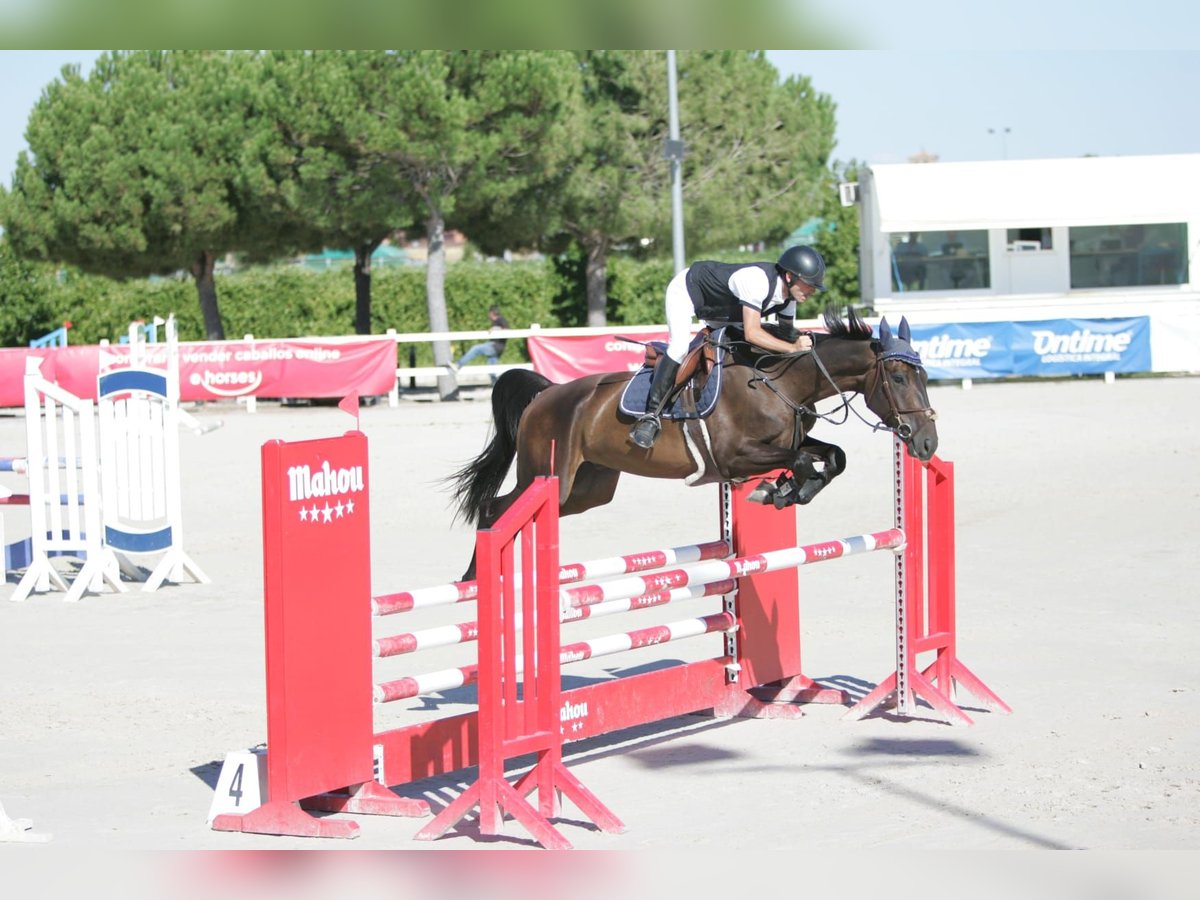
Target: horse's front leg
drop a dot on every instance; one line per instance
(814, 465)
(759, 457)
(819, 463)
(786, 489)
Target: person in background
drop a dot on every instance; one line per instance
(720, 293)
(489, 349)
(910, 263)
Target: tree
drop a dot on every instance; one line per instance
(352, 194)
(755, 152)
(25, 309)
(472, 133)
(758, 168)
(838, 240)
(160, 161)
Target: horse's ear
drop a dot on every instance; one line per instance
(885, 331)
(905, 333)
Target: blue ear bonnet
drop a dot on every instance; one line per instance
(897, 346)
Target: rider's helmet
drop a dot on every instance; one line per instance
(805, 263)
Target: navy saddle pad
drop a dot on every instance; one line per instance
(633, 399)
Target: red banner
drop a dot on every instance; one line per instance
(286, 368)
(12, 373)
(222, 369)
(75, 369)
(567, 358)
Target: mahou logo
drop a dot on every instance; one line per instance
(325, 494)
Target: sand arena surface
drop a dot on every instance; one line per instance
(1077, 587)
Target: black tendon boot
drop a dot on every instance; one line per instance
(645, 432)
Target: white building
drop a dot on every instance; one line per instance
(1028, 240)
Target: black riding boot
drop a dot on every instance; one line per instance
(645, 432)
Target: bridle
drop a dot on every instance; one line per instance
(892, 421)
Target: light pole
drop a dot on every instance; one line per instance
(674, 153)
(1003, 132)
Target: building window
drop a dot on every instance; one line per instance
(940, 261)
(1023, 239)
(1105, 256)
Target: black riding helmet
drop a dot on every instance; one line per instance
(805, 263)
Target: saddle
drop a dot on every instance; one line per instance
(697, 385)
(700, 359)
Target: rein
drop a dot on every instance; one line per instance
(800, 410)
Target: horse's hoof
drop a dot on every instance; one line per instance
(763, 493)
(808, 490)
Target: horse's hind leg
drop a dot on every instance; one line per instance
(492, 511)
(533, 460)
(592, 486)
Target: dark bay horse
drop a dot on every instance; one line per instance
(761, 424)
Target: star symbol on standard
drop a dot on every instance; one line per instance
(317, 514)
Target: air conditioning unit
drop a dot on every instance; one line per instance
(1020, 246)
(848, 192)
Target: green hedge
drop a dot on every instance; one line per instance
(25, 309)
(282, 302)
(285, 302)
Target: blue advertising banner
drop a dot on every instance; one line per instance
(1081, 346)
(1049, 347)
(969, 350)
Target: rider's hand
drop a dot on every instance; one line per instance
(803, 342)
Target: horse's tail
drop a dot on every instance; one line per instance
(477, 483)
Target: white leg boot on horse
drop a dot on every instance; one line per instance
(645, 432)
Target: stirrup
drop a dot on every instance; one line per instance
(645, 437)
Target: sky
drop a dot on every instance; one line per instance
(961, 80)
(958, 104)
(24, 73)
(1065, 77)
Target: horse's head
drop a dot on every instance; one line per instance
(896, 391)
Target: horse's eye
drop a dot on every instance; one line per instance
(898, 378)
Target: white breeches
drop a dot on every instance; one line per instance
(680, 313)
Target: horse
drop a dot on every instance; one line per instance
(760, 424)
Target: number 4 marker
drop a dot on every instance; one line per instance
(242, 784)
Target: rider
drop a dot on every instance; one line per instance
(719, 293)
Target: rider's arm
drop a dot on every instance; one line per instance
(750, 285)
(759, 337)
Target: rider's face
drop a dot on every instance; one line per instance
(800, 290)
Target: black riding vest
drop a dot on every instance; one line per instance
(708, 286)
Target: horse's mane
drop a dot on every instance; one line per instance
(852, 327)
